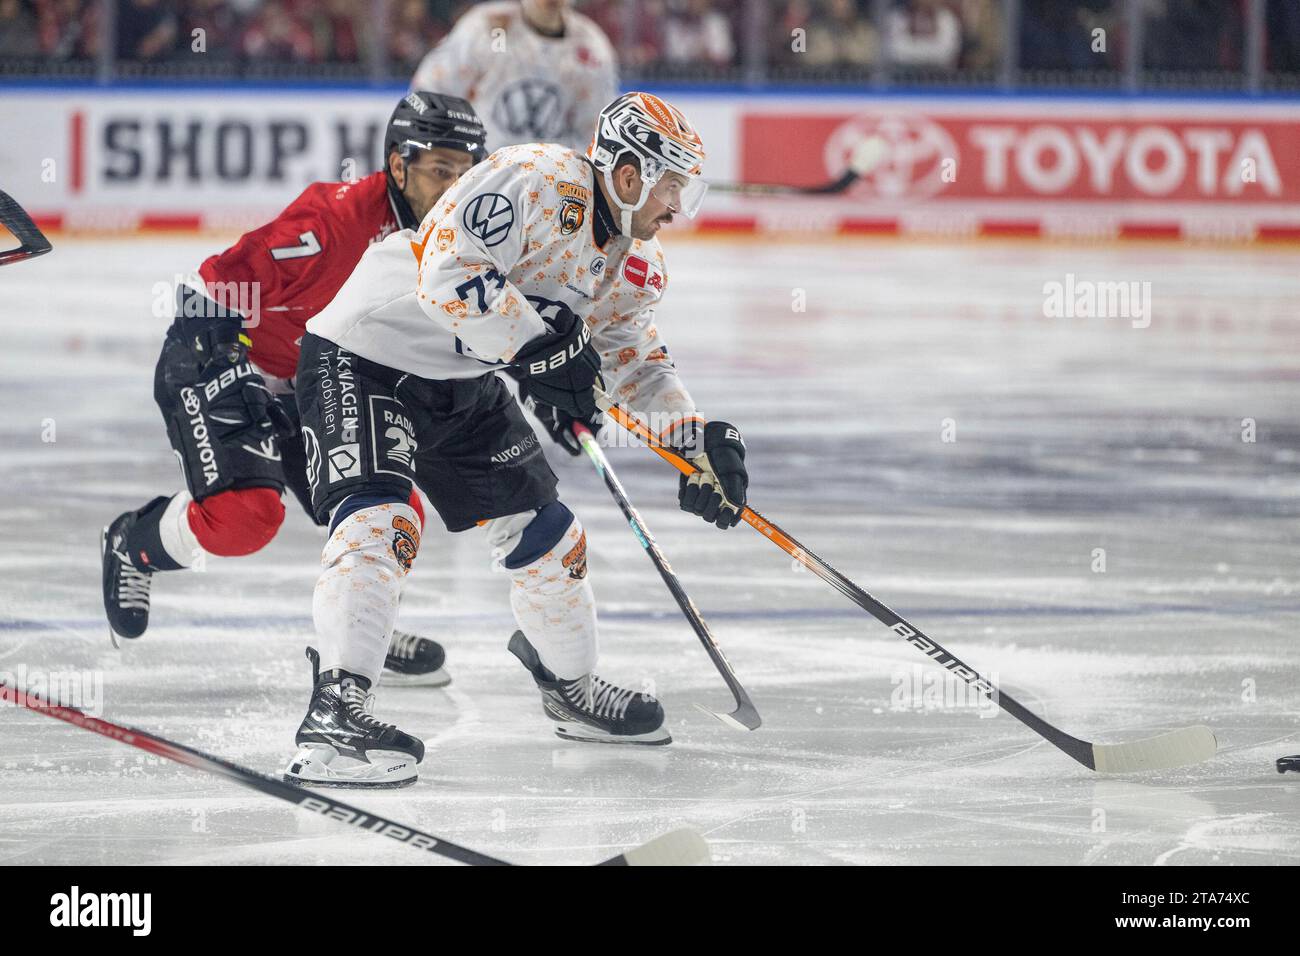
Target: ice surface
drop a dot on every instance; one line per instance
(1071, 435)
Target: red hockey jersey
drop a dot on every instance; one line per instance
(299, 260)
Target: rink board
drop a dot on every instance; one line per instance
(954, 166)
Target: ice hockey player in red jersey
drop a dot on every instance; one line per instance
(224, 380)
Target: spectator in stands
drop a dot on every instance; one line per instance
(276, 34)
(924, 33)
(1193, 35)
(839, 35)
(635, 30)
(18, 34)
(1058, 34)
(412, 34)
(696, 33)
(339, 31)
(146, 30)
(220, 25)
(1283, 31)
(982, 34)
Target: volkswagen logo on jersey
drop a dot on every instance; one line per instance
(530, 109)
(489, 217)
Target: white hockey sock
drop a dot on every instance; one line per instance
(355, 603)
(178, 538)
(550, 594)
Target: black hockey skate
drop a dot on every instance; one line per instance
(341, 745)
(126, 587)
(414, 661)
(591, 709)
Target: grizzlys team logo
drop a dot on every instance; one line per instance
(576, 559)
(574, 211)
(572, 216)
(489, 217)
(531, 110)
(457, 310)
(445, 238)
(406, 541)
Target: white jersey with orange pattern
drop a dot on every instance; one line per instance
(526, 86)
(506, 250)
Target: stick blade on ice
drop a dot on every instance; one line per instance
(1177, 748)
(744, 717)
(683, 847)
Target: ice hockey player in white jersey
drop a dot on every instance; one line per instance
(535, 70)
(397, 385)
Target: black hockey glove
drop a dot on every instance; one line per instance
(560, 368)
(558, 424)
(236, 400)
(716, 491)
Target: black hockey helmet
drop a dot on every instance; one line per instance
(425, 120)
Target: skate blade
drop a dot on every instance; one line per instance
(316, 766)
(438, 678)
(103, 553)
(588, 735)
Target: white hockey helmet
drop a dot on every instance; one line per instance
(662, 140)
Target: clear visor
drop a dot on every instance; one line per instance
(681, 194)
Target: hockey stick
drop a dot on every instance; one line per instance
(677, 848)
(32, 242)
(745, 716)
(1173, 749)
(864, 157)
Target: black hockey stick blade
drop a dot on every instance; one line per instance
(32, 241)
(864, 157)
(678, 848)
(745, 716)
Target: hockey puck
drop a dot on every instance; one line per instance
(1288, 763)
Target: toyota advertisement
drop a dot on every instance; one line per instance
(952, 166)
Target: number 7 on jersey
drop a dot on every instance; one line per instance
(308, 245)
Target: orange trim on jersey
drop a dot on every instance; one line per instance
(418, 248)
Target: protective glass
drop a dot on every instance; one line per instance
(683, 194)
